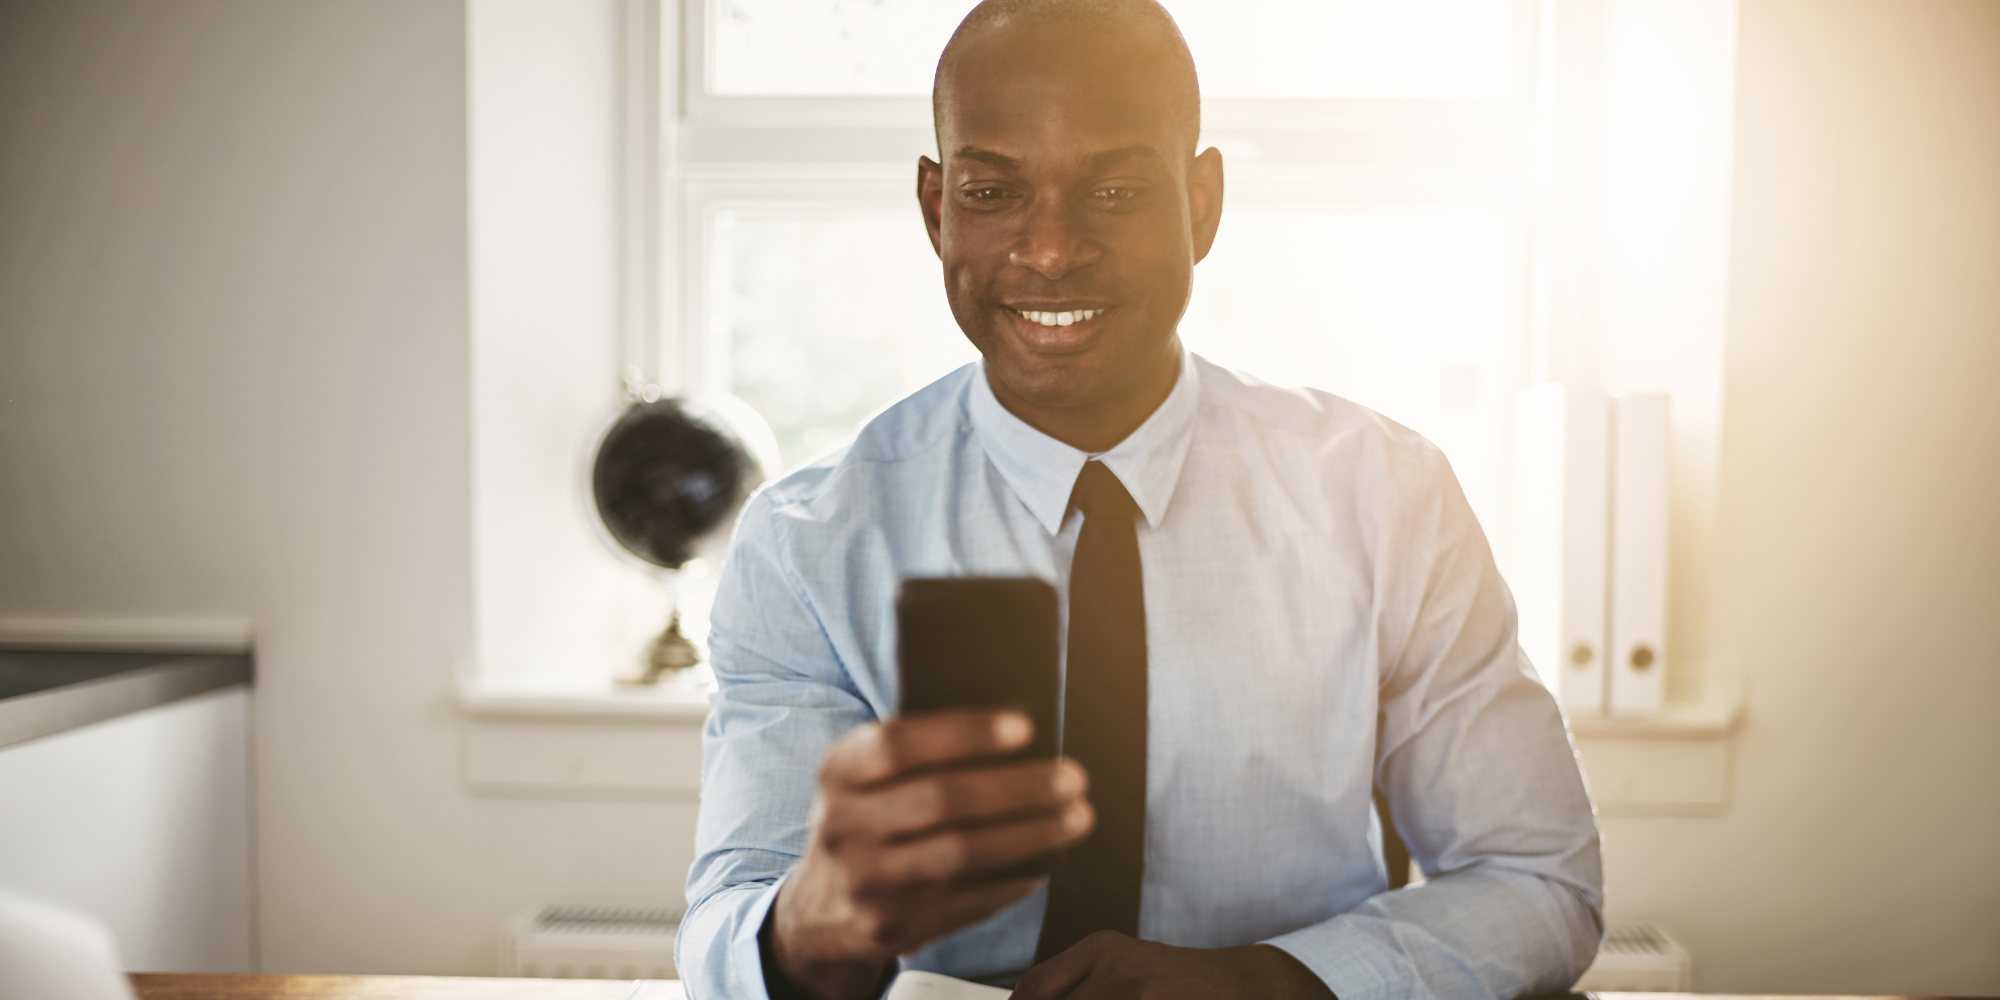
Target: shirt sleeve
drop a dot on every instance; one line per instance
(1481, 779)
(782, 698)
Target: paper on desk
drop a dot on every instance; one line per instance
(913, 985)
(657, 989)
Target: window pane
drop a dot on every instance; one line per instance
(833, 47)
(1402, 313)
(1349, 48)
(1308, 48)
(827, 315)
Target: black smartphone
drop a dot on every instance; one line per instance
(980, 642)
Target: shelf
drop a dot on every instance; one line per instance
(130, 684)
(222, 636)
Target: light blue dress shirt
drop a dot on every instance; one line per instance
(1322, 615)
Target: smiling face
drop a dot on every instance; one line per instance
(1069, 214)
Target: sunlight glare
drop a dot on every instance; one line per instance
(1458, 49)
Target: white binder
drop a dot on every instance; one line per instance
(1638, 668)
(1560, 516)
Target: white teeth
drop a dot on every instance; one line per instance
(1061, 318)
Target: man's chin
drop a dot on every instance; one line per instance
(1051, 382)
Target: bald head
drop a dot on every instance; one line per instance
(1152, 42)
(1069, 207)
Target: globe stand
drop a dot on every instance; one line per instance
(669, 653)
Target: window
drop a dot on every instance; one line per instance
(1374, 242)
(826, 312)
(1431, 203)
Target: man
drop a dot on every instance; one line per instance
(1278, 602)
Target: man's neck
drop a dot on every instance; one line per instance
(1099, 426)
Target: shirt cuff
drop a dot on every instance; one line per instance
(1352, 963)
(720, 955)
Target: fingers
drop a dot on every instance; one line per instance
(924, 803)
(916, 824)
(904, 925)
(1065, 972)
(947, 826)
(959, 853)
(875, 754)
(968, 905)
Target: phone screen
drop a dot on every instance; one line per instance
(980, 642)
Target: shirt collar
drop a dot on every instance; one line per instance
(1042, 470)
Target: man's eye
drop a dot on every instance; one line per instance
(1115, 194)
(986, 193)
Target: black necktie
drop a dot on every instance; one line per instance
(1096, 884)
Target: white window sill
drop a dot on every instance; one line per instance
(601, 741)
(1674, 764)
(608, 741)
(1689, 721)
(501, 699)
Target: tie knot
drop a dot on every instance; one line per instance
(1098, 493)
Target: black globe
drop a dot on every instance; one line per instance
(667, 476)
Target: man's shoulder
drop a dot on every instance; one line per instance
(900, 440)
(1313, 421)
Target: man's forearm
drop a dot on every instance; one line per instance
(1111, 966)
(787, 978)
(1532, 935)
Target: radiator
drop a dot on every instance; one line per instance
(1638, 958)
(590, 941)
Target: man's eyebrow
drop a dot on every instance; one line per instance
(1094, 161)
(988, 157)
(1098, 161)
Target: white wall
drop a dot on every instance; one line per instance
(1858, 564)
(234, 368)
(142, 822)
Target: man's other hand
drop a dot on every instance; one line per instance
(1108, 964)
(913, 818)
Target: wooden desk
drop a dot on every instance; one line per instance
(169, 986)
(174, 986)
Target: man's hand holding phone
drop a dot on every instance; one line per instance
(914, 828)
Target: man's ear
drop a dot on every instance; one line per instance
(930, 198)
(1204, 200)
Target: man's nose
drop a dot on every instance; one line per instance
(1053, 241)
